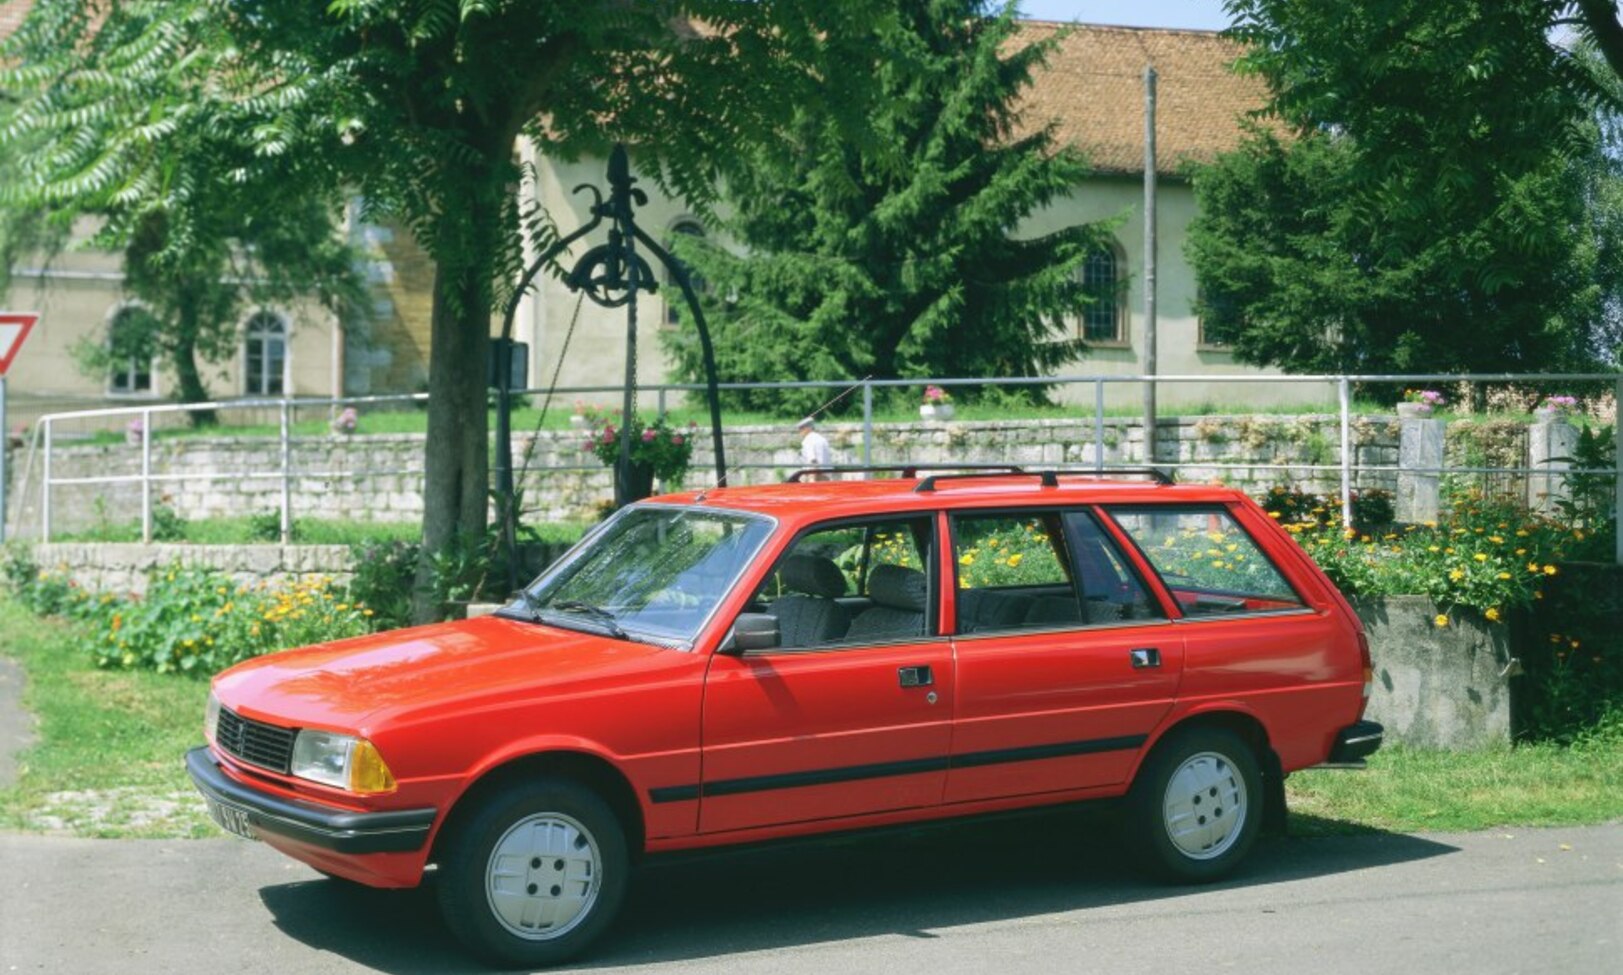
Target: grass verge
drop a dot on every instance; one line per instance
(1409, 790)
(108, 762)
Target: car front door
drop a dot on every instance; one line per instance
(851, 714)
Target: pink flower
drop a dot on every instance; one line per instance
(608, 434)
(676, 438)
(647, 436)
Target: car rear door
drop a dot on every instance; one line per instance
(851, 718)
(1065, 662)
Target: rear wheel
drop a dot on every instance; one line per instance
(535, 875)
(1196, 805)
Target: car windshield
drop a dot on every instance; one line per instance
(652, 573)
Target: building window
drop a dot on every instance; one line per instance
(1219, 321)
(265, 358)
(1105, 282)
(129, 346)
(674, 299)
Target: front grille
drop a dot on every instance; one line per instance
(256, 743)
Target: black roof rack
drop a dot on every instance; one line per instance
(906, 471)
(1050, 478)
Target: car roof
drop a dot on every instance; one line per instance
(802, 501)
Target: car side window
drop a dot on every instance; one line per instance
(1013, 572)
(1208, 562)
(856, 582)
(1111, 590)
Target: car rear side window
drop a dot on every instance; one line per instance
(1206, 559)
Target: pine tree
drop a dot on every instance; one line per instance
(895, 258)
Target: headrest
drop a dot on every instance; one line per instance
(815, 575)
(898, 587)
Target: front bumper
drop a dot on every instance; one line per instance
(396, 831)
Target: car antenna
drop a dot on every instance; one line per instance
(814, 414)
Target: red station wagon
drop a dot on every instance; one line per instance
(753, 663)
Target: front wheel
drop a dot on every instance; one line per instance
(535, 875)
(1196, 805)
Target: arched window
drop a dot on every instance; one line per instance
(674, 299)
(265, 355)
(1105, 281)
(129, 347)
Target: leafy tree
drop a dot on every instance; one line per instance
(204, 229)
(895, 259)
(419, 106)
(1421, 200)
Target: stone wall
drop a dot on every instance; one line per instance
(1437, 687)
(379, 477)
(123, 568)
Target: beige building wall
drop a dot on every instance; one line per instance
(1180, 350)
(78, 294)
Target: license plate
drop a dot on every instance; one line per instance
(230, 818)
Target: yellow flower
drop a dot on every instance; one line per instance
(1433, 548)
(1480, 557)
(1441, 621)
(1273, 514)
(1014, 560)
(366, 612)
(1455, 575)
(1549, 570)
(966, 559)
(1495, 539)
(1521, 533)
(1503, 575)
(1492, 614)
(1574, 644)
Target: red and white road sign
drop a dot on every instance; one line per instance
(14, 328)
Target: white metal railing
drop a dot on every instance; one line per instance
(46, 427)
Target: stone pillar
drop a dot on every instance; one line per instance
(1420, 455)
(1550, 443)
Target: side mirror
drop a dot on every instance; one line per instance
(753, 631)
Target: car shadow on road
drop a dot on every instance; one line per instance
(897, 883)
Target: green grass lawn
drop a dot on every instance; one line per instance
(108, 762)
(249, 530)
(109, 756)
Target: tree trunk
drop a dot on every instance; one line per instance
(183, 357)
(456, 467)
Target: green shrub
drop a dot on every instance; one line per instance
(384, 573)
(198, 621)
(1372, 508)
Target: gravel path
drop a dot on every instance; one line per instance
(16, 724)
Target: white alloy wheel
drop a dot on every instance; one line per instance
(1205, 806)
(543, 876)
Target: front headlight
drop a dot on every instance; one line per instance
(211, 718)
(341, 761)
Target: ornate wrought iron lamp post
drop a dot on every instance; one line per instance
(610, 274)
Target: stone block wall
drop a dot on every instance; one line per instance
(1437, 687)
(379, 477)
(123, 568)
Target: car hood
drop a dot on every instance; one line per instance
(352, 685)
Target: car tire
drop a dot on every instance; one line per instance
(1197, 804)
(534, 875)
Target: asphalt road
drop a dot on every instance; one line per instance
(1022, 896)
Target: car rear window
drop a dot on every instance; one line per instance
(1208, 562)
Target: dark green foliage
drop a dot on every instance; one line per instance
(138, 119)
(1423, 199)
(1372, 509)
(383, 579)
(1573, 655)
(1590, 506)
(895, 259)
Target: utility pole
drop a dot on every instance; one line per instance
(1148, 356)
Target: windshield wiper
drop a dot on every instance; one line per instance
(596, 613)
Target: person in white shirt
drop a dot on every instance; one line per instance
(814, 449)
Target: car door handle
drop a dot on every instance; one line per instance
(915, 676)
(1145, 657)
